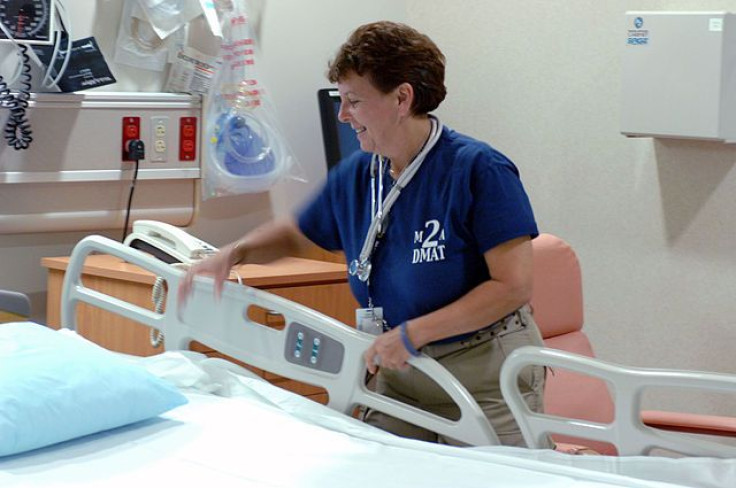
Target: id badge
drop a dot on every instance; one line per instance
(369, 320)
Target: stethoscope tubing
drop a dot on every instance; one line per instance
(381, 207)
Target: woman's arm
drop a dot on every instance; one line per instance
(510, 287)
(265, 243)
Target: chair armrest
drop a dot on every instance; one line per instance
(14, 306)
(576, 449)
(690, 423)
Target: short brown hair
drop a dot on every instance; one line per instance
(390, 54)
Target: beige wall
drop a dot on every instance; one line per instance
(653, 221)
(298, 38)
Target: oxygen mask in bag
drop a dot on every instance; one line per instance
(243, 145)
(246, 151)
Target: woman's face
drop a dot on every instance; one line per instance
(373, 115)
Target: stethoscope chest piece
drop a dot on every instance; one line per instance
(361, 270)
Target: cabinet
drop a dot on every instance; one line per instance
(678, 75)
(319, 285)
(10, 317)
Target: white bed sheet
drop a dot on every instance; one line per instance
(262, 436)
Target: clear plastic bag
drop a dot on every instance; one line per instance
(168, 16)
(137, 44)
(246, 151)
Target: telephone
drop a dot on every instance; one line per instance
(168, 243)
(171, 245)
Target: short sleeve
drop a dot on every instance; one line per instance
(332, 218)
(501, 207)
(316, 219)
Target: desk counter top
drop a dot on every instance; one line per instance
(283, 272)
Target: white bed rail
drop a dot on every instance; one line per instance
(627, 432)
(312, 348)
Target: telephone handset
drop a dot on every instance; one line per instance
(168, 243)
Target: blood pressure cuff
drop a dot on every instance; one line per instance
(86, 69)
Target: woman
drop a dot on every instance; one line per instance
(436, 228)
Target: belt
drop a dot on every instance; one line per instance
(510, 323)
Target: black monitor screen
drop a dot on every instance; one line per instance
(339, 138)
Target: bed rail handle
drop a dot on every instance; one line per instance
(627, 431)
(74, 291)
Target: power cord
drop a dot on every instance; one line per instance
(136, 151)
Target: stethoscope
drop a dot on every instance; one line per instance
(361, 267)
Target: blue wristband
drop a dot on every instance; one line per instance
(407, 343)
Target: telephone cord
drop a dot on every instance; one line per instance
(18, 132)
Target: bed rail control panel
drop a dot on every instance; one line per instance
(307, 347)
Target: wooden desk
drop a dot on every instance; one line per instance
(316, 284)
(11, 317)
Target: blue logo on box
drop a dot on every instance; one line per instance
(638, 36)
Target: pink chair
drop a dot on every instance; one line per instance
(557, 303)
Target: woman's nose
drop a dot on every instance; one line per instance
(342, 114)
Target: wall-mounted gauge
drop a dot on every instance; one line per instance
(28, 21)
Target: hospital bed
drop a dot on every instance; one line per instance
(231, 428)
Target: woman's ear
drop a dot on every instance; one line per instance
(405, 96)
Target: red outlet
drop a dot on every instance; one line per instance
(131, 130)
(187, 138)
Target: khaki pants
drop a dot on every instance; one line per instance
(476, 363)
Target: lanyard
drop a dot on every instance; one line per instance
(361, 267)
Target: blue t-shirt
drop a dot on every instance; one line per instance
(465, 199)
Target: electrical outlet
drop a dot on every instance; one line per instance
(131, 131)
(160, 138)
(187, 138)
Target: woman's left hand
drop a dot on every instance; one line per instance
(389, 350)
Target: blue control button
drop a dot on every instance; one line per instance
(299, 345)
(315, 350)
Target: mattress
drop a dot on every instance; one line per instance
(241, 431)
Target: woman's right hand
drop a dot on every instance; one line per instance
(272, 240)
(218, 267)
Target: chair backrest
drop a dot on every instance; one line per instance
(14, 306)
(557, 304)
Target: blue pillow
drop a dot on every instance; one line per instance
(56, 387)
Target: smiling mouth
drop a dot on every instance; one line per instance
(360, 131)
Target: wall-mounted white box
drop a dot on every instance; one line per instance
(679, 75)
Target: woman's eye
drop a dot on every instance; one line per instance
(353, 103)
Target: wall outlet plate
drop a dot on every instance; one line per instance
(159, 139)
